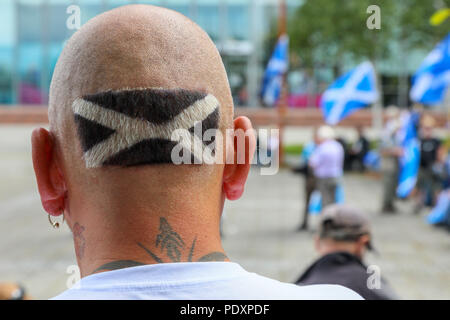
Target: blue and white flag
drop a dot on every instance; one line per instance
(350, 92)
(372, 160)
(410, 160)
(339, 194)
(441, 209)
(273, 76)
(433, 77)
(307, 151)
(315, 201)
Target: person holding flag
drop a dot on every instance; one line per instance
(327, 162)
(428, 181)
(409, 160)
(354, 90)
(390, 151)
(309, 179)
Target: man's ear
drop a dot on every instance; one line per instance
(361, 245)
(317, 244)
(243, 147)
(50, 182)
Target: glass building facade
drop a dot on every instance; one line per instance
(33, 33)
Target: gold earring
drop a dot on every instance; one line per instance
(55, 224)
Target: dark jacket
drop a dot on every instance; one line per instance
(347, 270)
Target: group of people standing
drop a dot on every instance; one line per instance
(343, 233)
(326, 157)
(433, 173)
(323, 167)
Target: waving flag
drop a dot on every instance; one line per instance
(410, 160)
(433, 77)
(441, 210)
(273, 76)
(315, 203)
(339, 194)
(372, 160)
(352, 91)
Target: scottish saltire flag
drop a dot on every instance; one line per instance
(307, 151)
(432, 78)
(410, 160)
(315, 201)
(440, 212)
(372, 160)
(273, 76)
(340, 195)
(352, 91)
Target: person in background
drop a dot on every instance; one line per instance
(447, 215)
(310, 181)
(327, 163)
(345, 146)
(359, 150)
(446, 169)
(390, 152)
(344, 236)
(428, 179)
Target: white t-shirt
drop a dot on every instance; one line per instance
(195, 281)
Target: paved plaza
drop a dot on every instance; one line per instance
(259, 231)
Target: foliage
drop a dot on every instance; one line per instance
(327, 32)
(293, 149)
(416, 29)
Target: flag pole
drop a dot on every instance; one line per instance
(282, 103)
(377, 107)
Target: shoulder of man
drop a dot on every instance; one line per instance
(290, 291)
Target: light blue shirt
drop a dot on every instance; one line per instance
(196, 280)
(327, 160)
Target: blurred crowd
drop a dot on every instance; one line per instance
(343, 234)
(433, 174)
(325, 159)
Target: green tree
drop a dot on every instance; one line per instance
(329, 32)
(416, 31)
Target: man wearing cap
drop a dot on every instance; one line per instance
(327, 162)
(343, 238)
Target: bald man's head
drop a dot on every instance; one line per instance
(152, 51)
(124, 83)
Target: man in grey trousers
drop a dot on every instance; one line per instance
(327, 162)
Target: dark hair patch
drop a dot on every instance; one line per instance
(154, 105)
(134, 126)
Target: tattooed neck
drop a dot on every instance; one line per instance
(172, 248)
(119, 264)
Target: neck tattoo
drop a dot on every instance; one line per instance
(172, 248)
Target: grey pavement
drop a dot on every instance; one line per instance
(259, 231)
